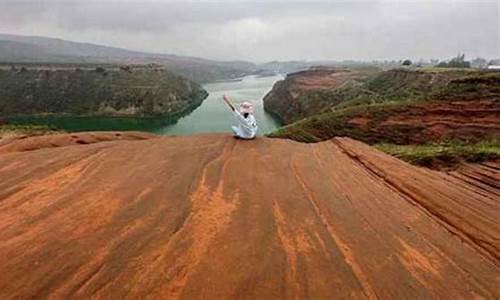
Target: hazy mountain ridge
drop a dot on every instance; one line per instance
(16, 48)
(64, 47)
(36, 49)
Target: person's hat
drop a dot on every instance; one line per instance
(246, 107)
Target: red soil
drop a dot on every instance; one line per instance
(320, 79)
(443, 120)
(212, 217)
(285, 97)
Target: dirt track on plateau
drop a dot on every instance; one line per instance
(212, 217)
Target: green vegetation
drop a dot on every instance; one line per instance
(22, 49)
(433, 84)
(409, 85)
(394, 112)
(89, 90)
(9, 131)
(96, 123)
(472, 87)
(406, 84)
(292, 101)
(406, 62)
(394, 85)
(375, 87)
(445, 154)
(327, 125)
(456, 62)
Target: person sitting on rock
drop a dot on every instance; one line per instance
(247, 125)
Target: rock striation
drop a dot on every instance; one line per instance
(305, 93)
(212, 217)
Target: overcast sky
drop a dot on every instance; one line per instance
(268, 30)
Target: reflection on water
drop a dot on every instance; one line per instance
(211, 116)
(75, 124)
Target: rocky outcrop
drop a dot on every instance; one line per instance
(104, 91)
(466, 108)
(213, 217)
(305, 93)
(415, 123)
(25, 143)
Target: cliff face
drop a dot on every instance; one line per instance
(304, 93)
(111, 91)
(416, 108)
(416, 123)
(212, 217)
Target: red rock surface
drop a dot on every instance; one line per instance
(26, 143)
(415, 123)
(443, 120)
(213, 217)
(290, 99)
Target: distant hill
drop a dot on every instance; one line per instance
(54, 46)
(17, 51)
(20, 52)
(16, 48)
(36, 49)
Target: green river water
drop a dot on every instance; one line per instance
(211, 116)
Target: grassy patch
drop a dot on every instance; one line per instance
(473, 87)
(460, 71)
(327, 125)
(446, 154)
(12, 131)
(395, 93)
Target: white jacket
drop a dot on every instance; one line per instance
(247, 127)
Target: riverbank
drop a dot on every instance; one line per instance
(214, 116)
(211, 115)
(119, 91)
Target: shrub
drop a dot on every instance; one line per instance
(456, 62)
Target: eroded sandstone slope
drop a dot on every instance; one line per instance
(465, 109)
(413, 123)
(212, 217)
(305, 93)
